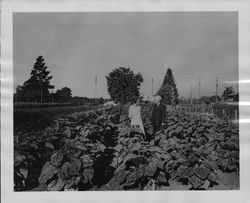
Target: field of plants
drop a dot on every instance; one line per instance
(223, 110)
(95, 150)
(32, 117)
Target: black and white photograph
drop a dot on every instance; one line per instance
(125, 101)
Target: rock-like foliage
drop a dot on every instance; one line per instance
(91, 151)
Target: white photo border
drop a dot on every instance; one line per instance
(11, 6)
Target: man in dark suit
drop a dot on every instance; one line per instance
(158, 114)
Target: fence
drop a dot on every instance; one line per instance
(220, 109)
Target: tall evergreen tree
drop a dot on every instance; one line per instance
(18, 95)
(168, 90)
(175, 95)
(36, 88)
(165, 93)
(31, 90)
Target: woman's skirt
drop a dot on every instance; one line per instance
(138, 122)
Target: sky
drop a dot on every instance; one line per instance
(78, 46)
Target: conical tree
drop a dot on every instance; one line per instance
(175, 95)
(165, 93)
(168, 90)
(37, 86)
(40, 72)
(168, 79)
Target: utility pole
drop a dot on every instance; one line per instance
(195, 76)
(191, 95)
(217, 85)
(152, 87)
(95, 87)
(199, 93)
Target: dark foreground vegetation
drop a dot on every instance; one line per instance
(37, 118)
(98, 150)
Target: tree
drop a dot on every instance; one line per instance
(77, 100)
(18, 96)
(31, 90)
(165, 93)
(228, 91)
(215, 99)
(168, 90)
(123, 85)
(205, 99)
(64, 95)
(236, 97)
(37, 86)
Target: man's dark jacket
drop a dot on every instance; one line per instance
(159, 114)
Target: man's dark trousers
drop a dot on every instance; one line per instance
(158, 116)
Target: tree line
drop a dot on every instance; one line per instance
(122, 83)
(37, 88)
(124, 86)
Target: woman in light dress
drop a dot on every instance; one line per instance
(135, 115)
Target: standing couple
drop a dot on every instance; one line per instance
(158, 114)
